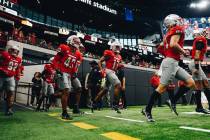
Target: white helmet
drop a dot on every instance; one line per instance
(172, 20)
(13, 50)
(51, 59)
(116, 47)
(74, 41)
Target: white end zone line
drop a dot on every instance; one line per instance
(194, 113)
(195, 129)
(131, 120)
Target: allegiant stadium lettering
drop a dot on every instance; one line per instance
(98, 5)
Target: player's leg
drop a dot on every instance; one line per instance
(65, 86)
(50, 95)
(181, 74)
(169, 68)
(10, 89)
(78, 90)
(42, 95)
(115, 82)
(206, 88)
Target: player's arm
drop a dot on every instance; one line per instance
(18, 71)
(43, 74)
(100, 62)
(123, 83)
(199, 47)
(174, 43)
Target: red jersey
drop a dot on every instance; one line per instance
(66, 60)
(10, 64)
(200, 40)
(112, 61)
(49, 73)
(155, 81)
(169, 51)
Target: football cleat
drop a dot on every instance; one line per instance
(147, 115)
(202, 110)
(172, 107)
(76, 110)
(115, 107)
(66, 116)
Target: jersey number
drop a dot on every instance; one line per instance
(70, 62)
(12, 66)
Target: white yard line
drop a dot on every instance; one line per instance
(195, 129)
(194, 113)
(131, 120)
(88, 113)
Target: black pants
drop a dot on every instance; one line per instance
(94, 90)
(35, 94)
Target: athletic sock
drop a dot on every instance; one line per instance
(207, 93)
(181, 91)
(198, 99)
(152, 100)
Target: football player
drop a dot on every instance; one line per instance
(199, 49)
(201, 81)
(48, 75)
(66, 62)
(173, 49)
(10, 68)
(112, 59)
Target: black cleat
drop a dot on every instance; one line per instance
(147, 115)
(76, 110)
(202, 110)
(172, 107)
(115, 107)
(66, 116)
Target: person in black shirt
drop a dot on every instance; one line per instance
(36, 87)
(94, 82)
(121, 75)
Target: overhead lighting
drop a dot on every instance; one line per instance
(27, 23)
(200, 5)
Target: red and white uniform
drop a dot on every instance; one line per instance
(112, 61)
(10, 65)
(67, 61)
(199, 43)
(49, 74)
(169, 66)
(199, 39)
(169, 51)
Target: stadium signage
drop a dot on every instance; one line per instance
(7, 3)
(98, 5)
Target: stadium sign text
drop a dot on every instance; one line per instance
(6, 3)
(98, 5)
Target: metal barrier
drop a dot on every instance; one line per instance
(28, 94)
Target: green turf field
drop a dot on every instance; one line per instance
(29, 125)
